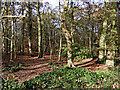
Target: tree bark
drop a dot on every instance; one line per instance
(90, 31)
(40, 50)
(11, 44)
(68, 37)
(2, 30)
(12, 36)
(49, 35)
(23, 26)
(102, 40)
(30, 27)
(112, 44)
(118, 27)
(6, 30)
(60, 47)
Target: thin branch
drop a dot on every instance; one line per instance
(7, 16)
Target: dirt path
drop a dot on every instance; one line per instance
(37, 66)
(34, 67)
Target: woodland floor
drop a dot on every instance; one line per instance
(37, 66)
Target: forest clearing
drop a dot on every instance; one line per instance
(62, 45)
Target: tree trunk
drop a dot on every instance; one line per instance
(11, 44)
(102, 40)
(50, 43)
(44, 38)
(40, 50)
(2, 29)
(110, 58)
(68, 37)
(90, 30)
(6, 30)
(72, 19)
(69, 53)
(118, 28)
(112, 44)
(23, 26)
(3, 37)
(12, 36)
(30, 28)
(60, 47)
(49, 35)
(15, 41)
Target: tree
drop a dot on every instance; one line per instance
(6, 29)
(40, 50)
(112, 39)
(118, 26)
(50, 34)
(2, 28)
(30, 27)
(108, 35)
(60, 30)
(12, 35)
(23, 27)
(102, 41)
(68, 36)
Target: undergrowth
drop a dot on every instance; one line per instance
(13, 68)
(68, 78)
(78, 52)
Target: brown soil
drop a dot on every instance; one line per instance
(37, 66)
(34, 67)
